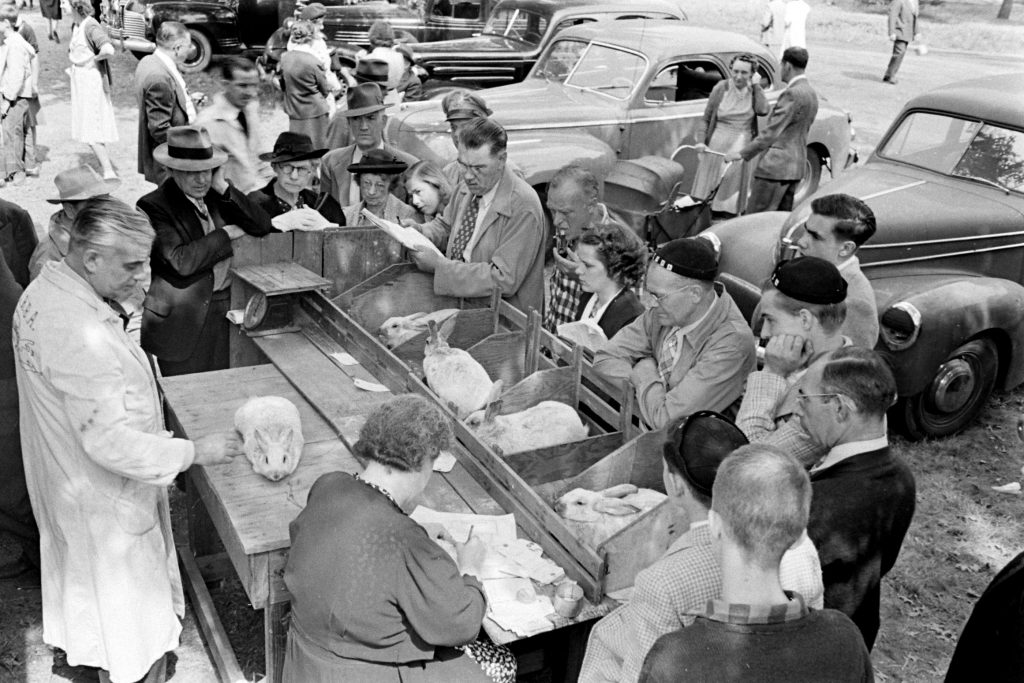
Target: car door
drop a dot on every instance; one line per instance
(452, 19)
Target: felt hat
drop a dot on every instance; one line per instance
(691, 257)
(698, 443)
(363, 99)
(188, 148)
(81, 182)
(406, 52)
(312, 12)
(292, 147)
(372, 71)
(378, 161)
(810, 280)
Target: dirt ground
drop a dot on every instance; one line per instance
(963, 531)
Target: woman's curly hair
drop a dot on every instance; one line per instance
(623, 254)
(402, 432)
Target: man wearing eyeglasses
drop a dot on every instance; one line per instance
(232, 119)
(863, 496)
(162, 96)
(691, 350)
(802, 309)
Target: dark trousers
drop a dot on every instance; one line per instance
(15, 509)
(315, 128)
(211, 352)
(899, 48)
(771, 195)
(14, 137)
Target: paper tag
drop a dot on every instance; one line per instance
(445, 462)
(235, 316)
(369, 386)
(344, 358)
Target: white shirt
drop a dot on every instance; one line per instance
(486, 199)
(796, 24)
(847, 450)
(190, 107)
(588, 311)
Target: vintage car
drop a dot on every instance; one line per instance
(618, 90)
(946, 185)
(244, 26)
(516, 34)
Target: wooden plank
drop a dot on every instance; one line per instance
(246, 250)
(638, 546)
(555, 463)
(280, 277)
(345, 298)
(308, 250)
(276, 246)
(275, 638)
(352, 255)
(503, 356)
(210, 625)
(557, 384)
(408, 292)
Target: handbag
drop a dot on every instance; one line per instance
(496, 661)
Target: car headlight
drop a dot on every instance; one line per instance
(900, 326)
(149, 15)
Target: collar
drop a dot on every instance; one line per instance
(848, 450)
(711, 316)
(698, 534)
(737, 613)
(168, 61)
(487, 198)
(849, 263)
(796, 79)
(221, 108)
(65, 278)
(357, 153)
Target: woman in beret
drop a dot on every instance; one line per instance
(376, 174)
(611, 261)
(293, 160)
(374, 598)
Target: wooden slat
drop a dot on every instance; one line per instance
(277, 246)
(281, 277)
(216, 637)
(351, 255)
(308, 250)
(564, 460)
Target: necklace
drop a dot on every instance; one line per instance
(384, 492)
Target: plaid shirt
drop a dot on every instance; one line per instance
(766, 416)
(670, 594)
(564, 295)
(737, 613)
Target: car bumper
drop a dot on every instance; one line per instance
(132, 43)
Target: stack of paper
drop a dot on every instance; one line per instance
(525, 558)
(410, 238)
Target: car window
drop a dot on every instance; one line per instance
(607, 70)
(934, 141)
(462, 9)
(575, 21)
(684, 81)
(560, 60)
(518, 24)
(996, 155)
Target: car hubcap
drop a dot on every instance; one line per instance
(953, 385)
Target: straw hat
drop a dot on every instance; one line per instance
(81, 182)
(188, 148)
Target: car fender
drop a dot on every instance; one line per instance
(539, 155)
(954, 309)
(218, 21)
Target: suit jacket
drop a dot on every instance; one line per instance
(902, 20)
(335, 178)
(182, 263)
(508, 253)
(783, 141)
(861, 508)
(161, 105)
(243, 169)
(305, 85)
(624, 309)
(17, 240)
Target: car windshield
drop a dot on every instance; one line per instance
(959, 147)
(560, 60)
(607, 70)
(517, 24)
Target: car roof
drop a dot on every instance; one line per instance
(662, 39)
(993, 98)
(549, 7)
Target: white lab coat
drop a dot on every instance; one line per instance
(97, 462)
(795, 34)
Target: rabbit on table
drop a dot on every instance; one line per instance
(271, 435)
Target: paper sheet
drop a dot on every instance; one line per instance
(492, 529)
(509, 590)
(344, 358)
(586, 333)
(444, 463)
(410, 238)
(523, 619)
(369, 386)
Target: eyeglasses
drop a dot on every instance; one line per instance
(292, 169)
(802, 397)
(650, 300)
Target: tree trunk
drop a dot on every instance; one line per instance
(1004, 9)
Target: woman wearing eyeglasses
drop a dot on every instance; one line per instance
(730, 122)
(294, 163)
(376, 174)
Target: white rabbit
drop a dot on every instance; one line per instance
(548, 423)
(595, 516)
(455, 376)
(271, 435)
(396, 331)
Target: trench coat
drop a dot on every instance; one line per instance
(97, 464)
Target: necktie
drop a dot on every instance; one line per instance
(462, 236)
(243, 122)
(221, 268)
(119, 309)
(669, 353)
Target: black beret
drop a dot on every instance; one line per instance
(811, 280)
(697, 445)
(692, 257)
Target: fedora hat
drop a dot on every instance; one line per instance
(81, 182)
(188, 148)
(378, 161)
(292, 147)
(363, 99)
(372, 71)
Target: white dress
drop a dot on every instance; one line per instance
(92, 114)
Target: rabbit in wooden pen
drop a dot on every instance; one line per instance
(595, 516)
(455, 376)
(398, 330)
(548, 423)
(271, 435)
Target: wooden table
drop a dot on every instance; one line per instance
(250, 515)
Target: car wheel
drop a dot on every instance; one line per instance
(199, 54)
(812, 177)
(956, 394)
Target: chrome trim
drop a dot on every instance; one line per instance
(139, 45)
(944, 240)
(915, 317)
(935, 257)
(574, 124)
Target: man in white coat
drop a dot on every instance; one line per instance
(795, 19)
(97, 459)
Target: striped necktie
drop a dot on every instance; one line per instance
(669, 353)
(465, 232)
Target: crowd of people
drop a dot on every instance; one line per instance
(792, 507)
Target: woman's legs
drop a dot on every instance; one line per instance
(100, 150)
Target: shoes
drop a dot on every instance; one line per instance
(110, 176)
(17, 178)
(32, 172)
(56, 37)
(890, 81)
(3, 182)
